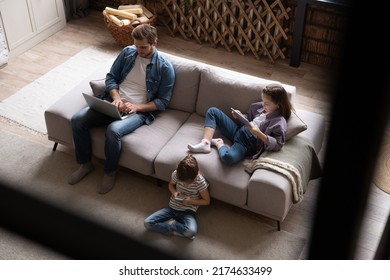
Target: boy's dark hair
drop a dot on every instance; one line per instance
(187, 169)
(145, 31)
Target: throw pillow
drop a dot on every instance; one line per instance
(294, 126)
(98, 86)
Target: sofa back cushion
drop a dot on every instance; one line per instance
(224, 89)
(186, 87)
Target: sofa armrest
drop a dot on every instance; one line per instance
(279, 179)
(269, 194)
(297, 161)
(58, 115)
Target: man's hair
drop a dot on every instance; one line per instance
(187, 169)
(145, 31)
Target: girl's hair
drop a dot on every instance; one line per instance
(145, 31)
(278, 95)
(187, 169)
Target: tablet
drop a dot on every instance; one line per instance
(241, 117)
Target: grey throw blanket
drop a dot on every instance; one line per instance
(297, 160)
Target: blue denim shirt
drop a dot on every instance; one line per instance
(160, 78)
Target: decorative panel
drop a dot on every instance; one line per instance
(255, 26)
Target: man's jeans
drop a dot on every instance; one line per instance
(86, 119)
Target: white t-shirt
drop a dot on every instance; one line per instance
(133, 87)
(259, 119)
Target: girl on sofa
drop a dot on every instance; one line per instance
(266, 129)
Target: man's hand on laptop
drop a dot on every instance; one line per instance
(129, 108)
(124, 107)
(118, 103)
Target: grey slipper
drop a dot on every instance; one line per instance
(80, 173)
(108, 183)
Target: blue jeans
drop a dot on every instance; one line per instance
(86, 119)
(244, 143)
(186, 223)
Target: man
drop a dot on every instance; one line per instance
(140, 81)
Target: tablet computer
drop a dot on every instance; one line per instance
(241, 117)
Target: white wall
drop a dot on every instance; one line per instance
(3, 47)
(28, 22)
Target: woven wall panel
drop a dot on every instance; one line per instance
(255, 26)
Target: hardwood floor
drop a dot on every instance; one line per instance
(313, 84)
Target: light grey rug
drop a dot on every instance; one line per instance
(26, 107)
(224, 232)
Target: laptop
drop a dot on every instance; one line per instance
(105, 107)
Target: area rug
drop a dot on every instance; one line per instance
(224, 233)
(26, 107)
(382, 172)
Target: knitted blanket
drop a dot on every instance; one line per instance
(297, 160)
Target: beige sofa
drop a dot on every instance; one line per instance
(265, 188)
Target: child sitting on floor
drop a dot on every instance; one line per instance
(189, 190)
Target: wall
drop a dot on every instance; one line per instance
(3, 47)
(29, 22)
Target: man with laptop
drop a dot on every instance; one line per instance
(105, 107)
(139, 83)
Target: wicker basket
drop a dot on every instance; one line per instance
(122, 34)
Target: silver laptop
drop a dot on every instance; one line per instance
(104, 107)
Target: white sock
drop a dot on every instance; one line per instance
(202, 147)
(216, 141)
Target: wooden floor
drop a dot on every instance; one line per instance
(313, 94)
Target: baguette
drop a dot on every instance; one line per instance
(125, 7)
(126, 21)
(137, 11)
(113, 18)
(134, 10)
(120, 13)
(145, 11)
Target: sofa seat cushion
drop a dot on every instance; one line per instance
(227, 183)
(140, 148)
